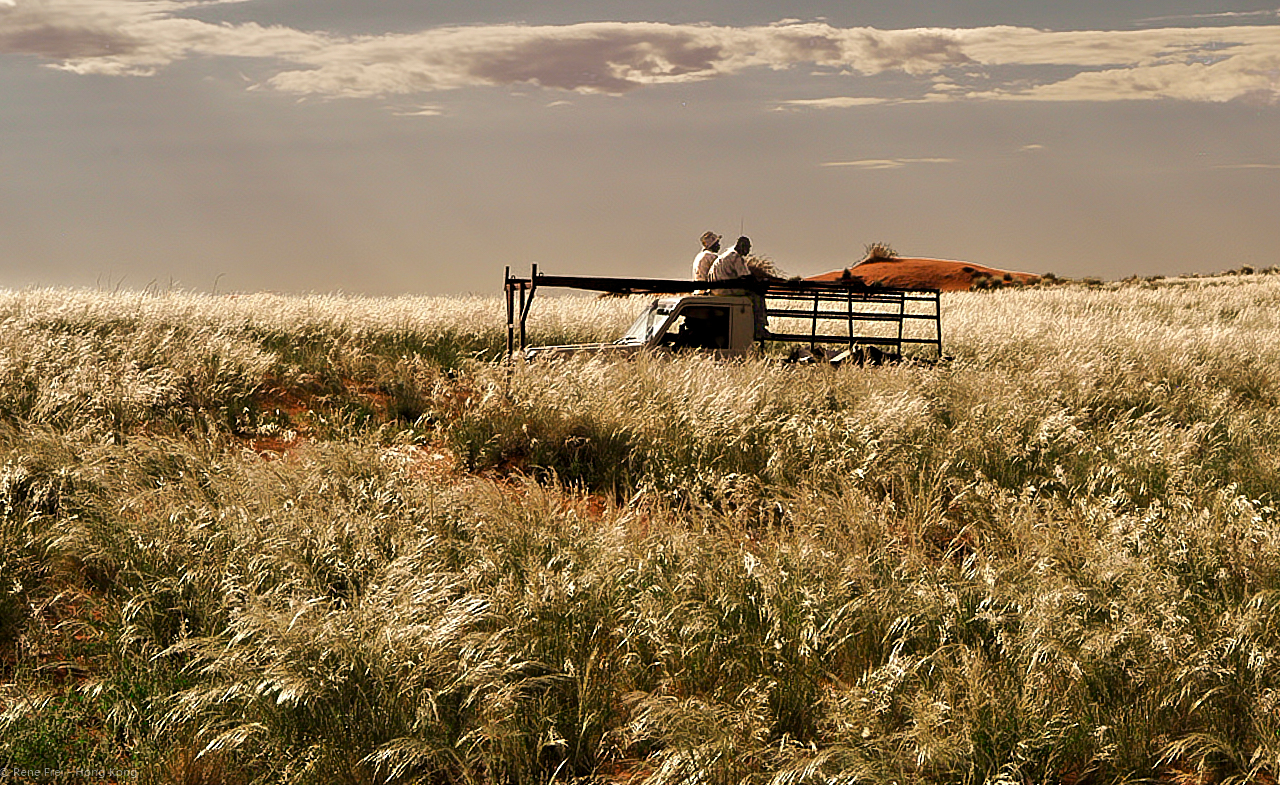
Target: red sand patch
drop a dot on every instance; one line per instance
(915, 273)
(425, 462)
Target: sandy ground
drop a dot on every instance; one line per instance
(915, 273)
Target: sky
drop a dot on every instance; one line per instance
(422, 146)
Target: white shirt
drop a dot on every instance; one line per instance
(728, 265)
(702, 265)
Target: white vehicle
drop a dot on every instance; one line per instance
(849, 316)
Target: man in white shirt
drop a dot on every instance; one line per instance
(732, 263)
(703, 261)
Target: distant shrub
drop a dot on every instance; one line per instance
(879, 251)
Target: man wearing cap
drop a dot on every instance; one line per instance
(703, 261)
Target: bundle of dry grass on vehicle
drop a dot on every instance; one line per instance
(763, 267)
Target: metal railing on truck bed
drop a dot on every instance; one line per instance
(862, 314)
(855, 315)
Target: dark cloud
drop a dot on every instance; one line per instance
(66, 41)
(612, 61)
(801, 46)
(921, 52)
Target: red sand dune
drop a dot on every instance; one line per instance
(941, 274)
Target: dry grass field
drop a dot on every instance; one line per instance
(258, 539)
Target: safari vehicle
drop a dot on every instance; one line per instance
(827, 316)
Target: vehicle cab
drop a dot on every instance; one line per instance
(722, 324)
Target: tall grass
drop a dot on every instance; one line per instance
(320, 540)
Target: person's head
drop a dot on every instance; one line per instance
(710, 239)
(743, 246)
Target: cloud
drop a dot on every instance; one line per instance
(1248, 166)
(426, 110)
(1199, 64)
(838, 102)
(1233, 15)
(136, 37)
(1241, 78)
(889, 163)
(611, 58)
(599, 58)
(139, 37)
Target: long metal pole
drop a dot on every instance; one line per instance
(937, 320)
(506, 287)
(523, 312)
(813, 328)
(525, 305)
(849, 302)
(902, 309)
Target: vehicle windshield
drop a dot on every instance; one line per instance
(648, 324)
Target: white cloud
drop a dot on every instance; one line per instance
(1202, 64)
(138, 37)
(1274, 14)
(1240, 78)
(838, 102)
(426, 110)
(889, 163)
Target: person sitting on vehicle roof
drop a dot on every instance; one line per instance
(732, 263)
(703, 261)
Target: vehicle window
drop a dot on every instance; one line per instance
(699, 328)
(648, 323)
